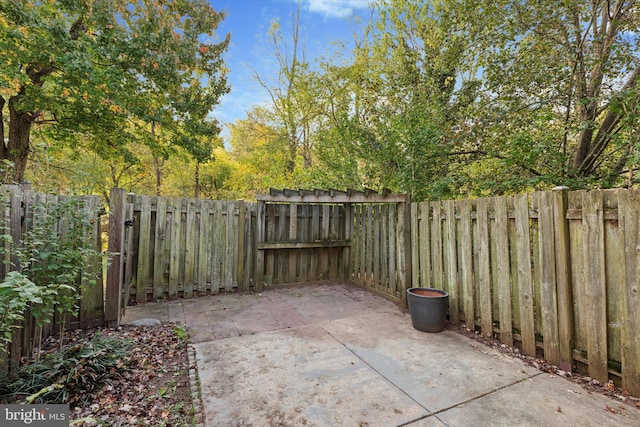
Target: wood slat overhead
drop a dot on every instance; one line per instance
(365, 195)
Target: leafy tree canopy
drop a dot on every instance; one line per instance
(448, 98)
(102, 74)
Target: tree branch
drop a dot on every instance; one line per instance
(606, 130)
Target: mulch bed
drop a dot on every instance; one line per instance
(154, 388)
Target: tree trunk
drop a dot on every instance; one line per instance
(157, 163)
(17, 148)
(197, 190)
(2, 146)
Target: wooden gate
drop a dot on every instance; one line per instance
(167, 248)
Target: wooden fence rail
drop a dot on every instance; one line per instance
(553, 272)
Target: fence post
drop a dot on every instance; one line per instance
(113, 295)
(404, 249)
(241, 246)
(346, 251)
(563, 277)
(260, 237)
(628, 212)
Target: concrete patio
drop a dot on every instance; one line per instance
(337, 355)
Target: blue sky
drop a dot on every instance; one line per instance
(248, 21)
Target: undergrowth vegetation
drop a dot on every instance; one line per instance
(129, 376)
(69, 375)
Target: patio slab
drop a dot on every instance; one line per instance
(338, 355)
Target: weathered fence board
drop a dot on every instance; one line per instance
(484, 271)
(594, 284)
(547, 266)
(436, 247)
(503, 279)
(525, 280)
(614, 279)
(452, 255)
(116, 236)
(554, 272)
(187, 247)
(563, 277)
(380, 232)
(630, 361)
(393, 247)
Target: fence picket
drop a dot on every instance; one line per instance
(416, 271)
(436, 246)
(325, 234)
(376, 246)
(394, 254)
(314, 236)
(615, 277)
(452, 280)
(231, 229)
(143, 279)
(630, 359)
(484, 268)
(525, 282)
(175, 251)
(503, 281)
(466, 264)
(293, 235)
(563, 277)
(595, 292)
(547, 266)
(204, 224)
(159, 249)
(384, 248)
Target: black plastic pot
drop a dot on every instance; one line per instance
(428, 308)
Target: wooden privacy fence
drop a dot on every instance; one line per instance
(299, 242)
(18, 204)
(553, 272)
(309, 236)
(178, 247)
(381, 247)
(556, 272)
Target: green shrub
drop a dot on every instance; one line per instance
(57, 254)
(17, 293)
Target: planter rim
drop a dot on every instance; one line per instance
(441, 292)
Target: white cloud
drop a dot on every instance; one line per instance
(335, 8)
